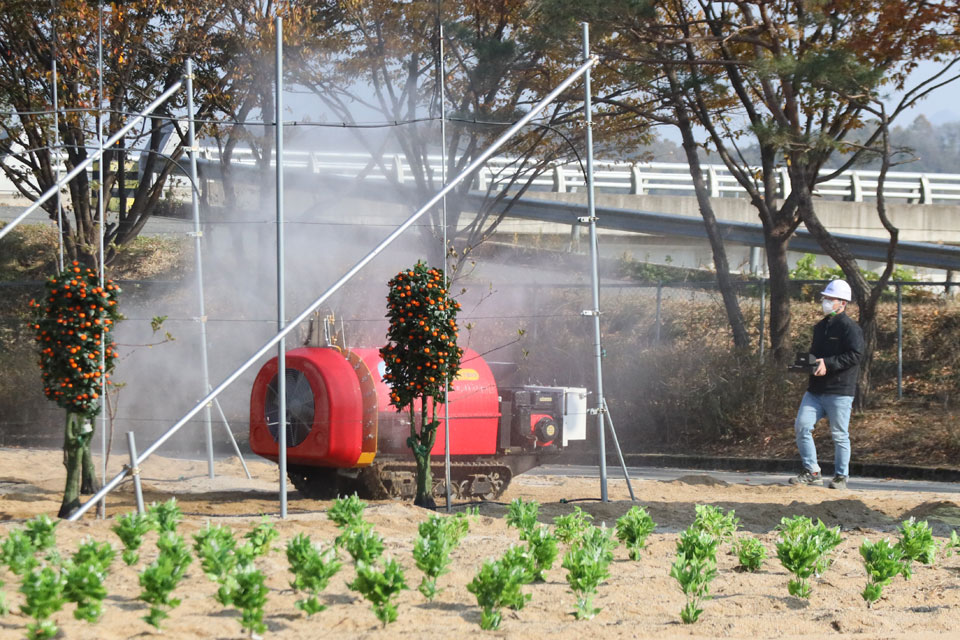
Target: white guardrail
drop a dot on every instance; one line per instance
(655, 178)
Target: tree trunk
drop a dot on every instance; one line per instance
(421, 444)
(734, 316)
(89, 484)
(73, 441)
(780, 344)
(868, 324)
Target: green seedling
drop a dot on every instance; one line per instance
(750, 552)
(523, 516)
(40, 531)
(570, 527)
(380, 587)
(954, 543)
(438, 536)
(165, 516)
(18, 552)
(362, 542)
(804, 550)
(42, 590)
(160, 578)
(250, 597)
(312, 567)
(215, 547)
(543, 549)
(131, 528)
(916, 542)
(346, 512)
(883, 563)
(588, 565)
(84, 576)
(261, 536)
(633, 527)
(694, 568)
(713, 521)
(497, 585)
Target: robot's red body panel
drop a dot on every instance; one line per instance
(347, 416)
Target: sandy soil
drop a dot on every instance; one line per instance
(640, 600)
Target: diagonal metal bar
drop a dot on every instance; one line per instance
(270, 344)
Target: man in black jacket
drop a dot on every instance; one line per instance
(838, 347)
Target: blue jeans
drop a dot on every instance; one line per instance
(813, 407)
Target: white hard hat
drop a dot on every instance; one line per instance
(837, 289)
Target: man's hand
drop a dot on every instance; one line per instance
(821, 369)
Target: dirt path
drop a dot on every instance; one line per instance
(639, 600)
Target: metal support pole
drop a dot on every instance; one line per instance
(899, 341)
(616, 444)
(101, 213)
(656, 335)
(594, 270)
(135, 471)
(198, 260)
(763, 313)
(233, 441)
(56, 134)
(281, 346)
(443, 207)
(466, 173)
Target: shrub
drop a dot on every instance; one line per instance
(542, 547)
(694, 568)
(497, 584)
(523, 516)
(380, 587)
(750, 552)
(804, 550)
(569, 528)
(883, 563)
(312, 568)
(165, 516)
(633, 527)
(42, 590)
(160, 578)
(362, 543)
(131, 528)
(712, 520)
(250, 597)
(84, 576)
(438, 536)
(916, 542)
(346, 512)
(588, 565)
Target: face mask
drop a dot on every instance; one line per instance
(827, 306)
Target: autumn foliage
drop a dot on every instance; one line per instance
(73, 325)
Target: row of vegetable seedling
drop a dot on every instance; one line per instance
(48, 581)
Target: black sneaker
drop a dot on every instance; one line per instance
(807, 477)
(838, 482)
